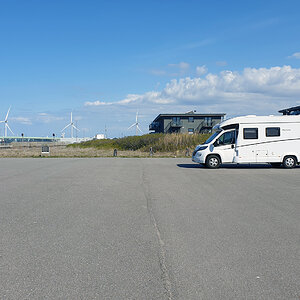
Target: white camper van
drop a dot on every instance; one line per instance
(253, 139)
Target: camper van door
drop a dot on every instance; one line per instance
(225, 146)
(247, 144)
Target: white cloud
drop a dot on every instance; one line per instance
(295, 55)
(260, 91)
(182, 66)
(179, 69)
(47, 118)
(96, 103)
(201, 70)
(22, 120)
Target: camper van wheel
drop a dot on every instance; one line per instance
(289, 162)
(213, 162)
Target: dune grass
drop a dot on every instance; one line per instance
(158, 142)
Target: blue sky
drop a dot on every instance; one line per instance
(104, 60)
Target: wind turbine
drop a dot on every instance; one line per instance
(72, 126)
(5, 121)
(136, 124)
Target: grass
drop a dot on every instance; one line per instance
(163, 145)
(158, 142)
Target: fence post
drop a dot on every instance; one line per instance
(151, 151)
(115, 152)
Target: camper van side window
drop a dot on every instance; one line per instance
(273, 131)
(250, 133)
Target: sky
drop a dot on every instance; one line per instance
(106, 60)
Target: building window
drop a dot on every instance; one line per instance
(250, 133)
(273, 131)
(207, 121)
(191, 130)
(191, 119)
(176, 120)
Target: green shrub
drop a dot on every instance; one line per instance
(159, 142)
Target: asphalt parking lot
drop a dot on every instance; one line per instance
(116, 228)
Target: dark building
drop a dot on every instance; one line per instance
(290, 111)
(190, 122)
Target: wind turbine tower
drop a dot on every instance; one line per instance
(136, 125)
(6, 126)
(71, 124)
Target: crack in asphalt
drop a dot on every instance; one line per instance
(162, 251)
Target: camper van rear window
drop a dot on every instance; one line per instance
(273, 131)
(250, 133)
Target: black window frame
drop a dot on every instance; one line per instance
(250, 138)
(232, 141)
(176, 120)
(208, 121)
(272, 128)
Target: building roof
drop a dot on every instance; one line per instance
(287, 111)
(189, 114)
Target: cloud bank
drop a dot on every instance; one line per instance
(261, 90)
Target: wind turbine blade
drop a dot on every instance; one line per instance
(66, 127)
(9, 128)
(7, 114)
(2, 121)
(71, 117)
(136, 117)
(75, 127)
(139, 128)
(131, 126)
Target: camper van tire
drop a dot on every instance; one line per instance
(213, 162)
(289, 162)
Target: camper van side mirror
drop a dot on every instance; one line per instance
(232, 146)
(216, 143)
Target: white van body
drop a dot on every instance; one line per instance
(253, 139)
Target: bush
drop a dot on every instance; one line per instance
(178, 141)
(159, 142)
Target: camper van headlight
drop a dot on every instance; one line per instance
(201, 148)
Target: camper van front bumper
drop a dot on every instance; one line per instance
(198, 158)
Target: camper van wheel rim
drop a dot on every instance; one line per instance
(289, 162)
(213, 162)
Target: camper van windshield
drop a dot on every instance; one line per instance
(211, 138)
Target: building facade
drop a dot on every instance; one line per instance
(190, 122)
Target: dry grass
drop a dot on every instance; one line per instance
(64, 151)
(159, 142)
(163, 145)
